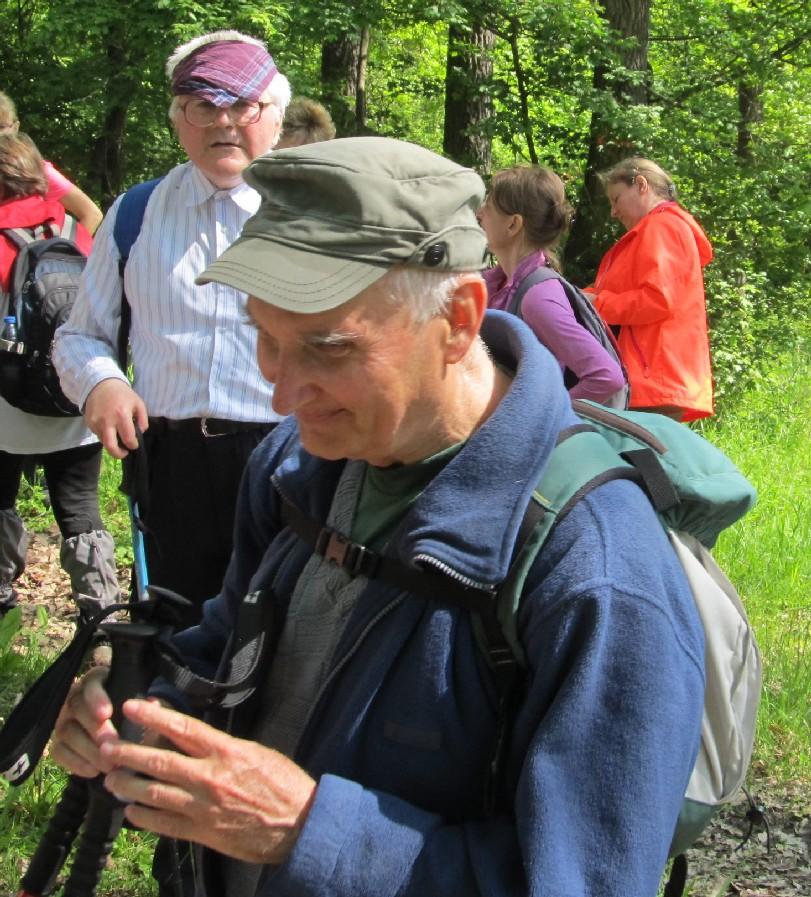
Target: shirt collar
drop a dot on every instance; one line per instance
(199, 189)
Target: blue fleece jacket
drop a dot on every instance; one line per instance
(399, 739)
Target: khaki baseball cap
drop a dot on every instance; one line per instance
(337, 215)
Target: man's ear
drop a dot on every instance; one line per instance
(465, 315)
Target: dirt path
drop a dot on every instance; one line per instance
(717, 868)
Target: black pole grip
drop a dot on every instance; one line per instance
(132, 668)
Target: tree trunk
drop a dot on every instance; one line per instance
(360, 96)
(591, 233)
(342, 63)
(105, 162)
(750, 107)
(468, 105)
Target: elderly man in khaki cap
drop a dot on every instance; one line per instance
(378, 748)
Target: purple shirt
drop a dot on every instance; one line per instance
(547, 311)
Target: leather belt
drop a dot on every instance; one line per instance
(208, 427)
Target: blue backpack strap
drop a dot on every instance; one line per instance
(127, 226)
(130, 217)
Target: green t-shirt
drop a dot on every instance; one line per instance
(388, 492)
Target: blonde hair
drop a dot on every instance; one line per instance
(8, 111)
(21, 170)
(628, 170)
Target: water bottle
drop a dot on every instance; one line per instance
(9, 339)
(9, 329)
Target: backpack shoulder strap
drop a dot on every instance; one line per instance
(562, 485)
(19, 236)
(128, 221)
(130, 216)
(539, 275)
(69, 229)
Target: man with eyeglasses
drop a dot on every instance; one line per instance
(197, 394)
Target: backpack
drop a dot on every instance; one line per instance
(697, 492)
(586, 316)
(42, 289)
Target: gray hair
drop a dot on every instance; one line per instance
(427, 293)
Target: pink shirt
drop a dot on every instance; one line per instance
(58, 184)
(546, 309)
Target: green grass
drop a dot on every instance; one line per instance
(767, 554)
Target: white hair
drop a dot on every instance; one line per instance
(427, 293)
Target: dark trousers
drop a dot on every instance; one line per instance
(193, 486)
(72, 477)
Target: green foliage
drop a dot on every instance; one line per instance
(67, 65)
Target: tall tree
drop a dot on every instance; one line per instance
(468, 102)
(343, 76)
(620, 82)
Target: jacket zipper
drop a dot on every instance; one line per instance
(454, 574)
(643, 361)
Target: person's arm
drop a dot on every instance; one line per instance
(82, 207)
(649, 287)
(546, 309)
(84, 350)
(73, 200)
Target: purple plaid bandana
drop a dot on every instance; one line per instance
(224, 72)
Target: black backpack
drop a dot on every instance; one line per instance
(586, 316)
(42, 288)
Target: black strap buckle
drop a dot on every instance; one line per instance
(348, 555)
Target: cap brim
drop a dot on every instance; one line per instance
(292, 279)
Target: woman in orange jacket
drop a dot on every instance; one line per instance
(650, 286)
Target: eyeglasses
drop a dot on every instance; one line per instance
(203, 114)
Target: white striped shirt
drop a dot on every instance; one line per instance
(192, 351)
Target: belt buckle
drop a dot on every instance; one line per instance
(204, 430)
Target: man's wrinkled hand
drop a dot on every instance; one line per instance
(235, 796)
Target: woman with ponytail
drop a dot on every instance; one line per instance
(650, 286)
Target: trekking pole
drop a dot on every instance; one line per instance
(139, 568)
(54, 846)
(131, 672)
(134, 484)
(86, 804)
